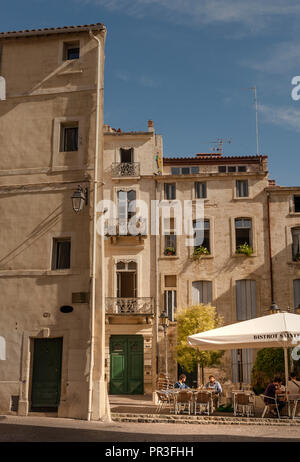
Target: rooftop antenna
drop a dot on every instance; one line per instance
(218, 148)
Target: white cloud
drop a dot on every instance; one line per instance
(287, 117)
(143, 80)
(254, 13)
(282, 58)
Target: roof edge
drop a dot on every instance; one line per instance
(52, 31)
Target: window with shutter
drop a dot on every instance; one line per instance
(202, 292)
(243, 231)
(61, 254)
(296, 243)
(296, 293)
(242, 188)
(170, 303)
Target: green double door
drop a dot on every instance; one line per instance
(46, 374)
(126, 364)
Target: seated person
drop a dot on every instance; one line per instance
(180, 384)
(272, 390)
(293, 385)
(215, 386)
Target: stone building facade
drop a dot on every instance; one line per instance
(51, 119)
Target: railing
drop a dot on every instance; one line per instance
(140, 305)
(125, 169)
(121, 227)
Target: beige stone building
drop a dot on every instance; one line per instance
(51, 141)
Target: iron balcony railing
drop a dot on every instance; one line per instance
(122, 227)
(139, 305)
(125, 169)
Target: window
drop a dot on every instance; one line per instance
(126, 208)
(245, 300)
(231, 169)
(170, 238)
(126, 155)
(184, 170)
(296, 293)
(242, 168)
(297, 204)
(126, 279)
(170, 191)
(296, 243)
(222, 169)
(198, 230)
(202, 292)
(170, 303)
(69, 137)
(71, 50)
(242, 364)
(242, 188)
(243, 228)
(61, 258)
(200, 190)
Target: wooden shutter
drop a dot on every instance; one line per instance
(245, 300)
(202, 292)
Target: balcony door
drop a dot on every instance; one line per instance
(126, 364)
(126, 279)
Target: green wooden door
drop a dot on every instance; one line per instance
(126, 365)
(46, 374)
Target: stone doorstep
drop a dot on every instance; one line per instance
(204, 420)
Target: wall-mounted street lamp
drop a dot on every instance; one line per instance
(79, 199)
(275, 309)
(165, 324)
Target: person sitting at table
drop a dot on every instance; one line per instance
(214, 386)
(271, 392)
(181, 382)
(293, 384)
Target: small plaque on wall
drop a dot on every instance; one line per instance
(80, 297)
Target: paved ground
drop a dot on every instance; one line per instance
(47, 429)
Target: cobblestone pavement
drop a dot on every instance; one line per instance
(46, 429)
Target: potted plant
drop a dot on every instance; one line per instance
(199, 251)
(170, 251)
(244, 249)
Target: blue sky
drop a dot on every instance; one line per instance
(188, 65)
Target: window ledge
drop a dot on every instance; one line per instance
(35, 273)
(294, 214)
(169, 257)
(203, 257)
(241, 198)
(70, 72)
(241, 255)
(294, 263)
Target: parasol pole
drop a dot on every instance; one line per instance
(286, 366)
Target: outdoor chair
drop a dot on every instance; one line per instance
(243, 404)
(163, 400)
(183, 401)
(203, 402)
(269, 407)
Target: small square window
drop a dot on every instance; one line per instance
(71, 51)
(195, 170)
(69, 137)
(170, 281)
(185, 170)
(242, 168)
(200, 190)
(61, 254)
(175, 171)
(232, 169)
(222, 169)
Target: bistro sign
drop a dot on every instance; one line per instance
(277, 336)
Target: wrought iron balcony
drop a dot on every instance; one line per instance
(125, 169)
(120, 227)
(129, 306)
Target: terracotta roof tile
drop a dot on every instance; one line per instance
(52, 30)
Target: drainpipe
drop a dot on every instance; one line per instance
(157, 286)
(93, 276)
(270, 248)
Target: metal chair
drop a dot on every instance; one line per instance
(183, 401)
(269, 406)
(163, 400)
(243, 404)
(203, 400)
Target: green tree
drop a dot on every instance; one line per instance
(269, 363)
(192, 320)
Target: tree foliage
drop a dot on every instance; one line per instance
(192, 320)
(269, 363)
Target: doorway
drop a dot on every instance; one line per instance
(126, 364)
(46, 374)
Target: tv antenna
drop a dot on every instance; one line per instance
(218, 145)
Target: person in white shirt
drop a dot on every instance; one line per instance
(293, 385)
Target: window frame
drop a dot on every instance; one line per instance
(56, 241)
(167, 187)
(70, 45)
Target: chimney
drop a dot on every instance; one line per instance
(150, 126)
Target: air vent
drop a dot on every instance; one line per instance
(14, 403)
(80, 297)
